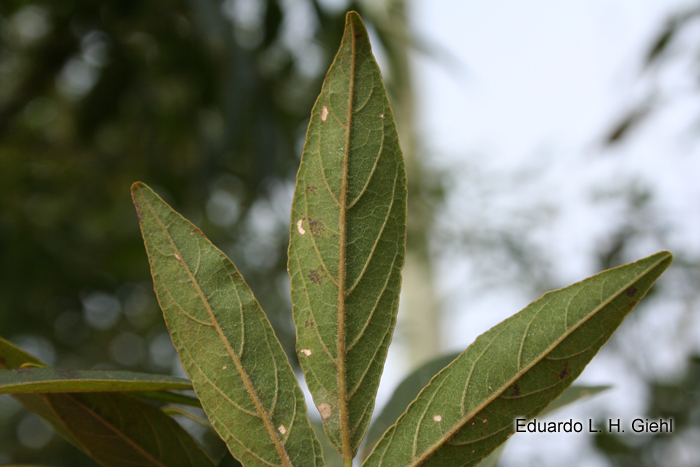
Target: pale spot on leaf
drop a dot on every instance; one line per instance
(299, 227)
(325, 410)
(177, 257)
(324, 113)
(306, 352)
(224, 367)
(437, 418)
(282, 429)
(485, 420)
(382, 116)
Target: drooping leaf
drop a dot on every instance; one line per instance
(115, 429)
(226, 344)
(403, 395)
(515, 369)
(347, 241)
(33, 380)
(122, 431)
(12, 357)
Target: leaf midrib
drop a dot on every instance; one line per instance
(342, 396)
(284, 457)
(458, 426)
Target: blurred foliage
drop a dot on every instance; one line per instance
(206, 100)
(662, 51)
(679, 401)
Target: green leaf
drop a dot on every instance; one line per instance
(12, 357)
(226, 344)
(122, 431)
(112, 428)
(569, 396)
(403, 395)
(347, 241)
(169, 397)
(515, 369)
(32, 380)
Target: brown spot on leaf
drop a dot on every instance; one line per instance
(312, 189)
(138, 211)
(315, 277)
(516, 391)
(316, 227)
(325, 410)
(631, 292)
(566, 371)
(308, 324)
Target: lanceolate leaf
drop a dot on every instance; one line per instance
(348, 240)
(27, 380)
(226, 344)
(515, 369)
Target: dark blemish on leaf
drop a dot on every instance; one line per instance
(516, 391)
(308, 324)
(357, 36)
(317, 229)
(2, 361)
(564, 372)
(312, 189)
(631, 292)
(315, 277)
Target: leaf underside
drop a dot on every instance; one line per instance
(515, 369)
(347, 243)
(28, 380)
(226, 344)
(114, 429)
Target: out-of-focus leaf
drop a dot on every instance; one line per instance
(492, 459)
(518, 367)
(12, 357)
(229, 461)
(33, 380)
(347, 242)
(403, 395)
(122, 431)
(115, 429)
(169, 397)
(180, 412)
(226, 344)
(569, 396)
